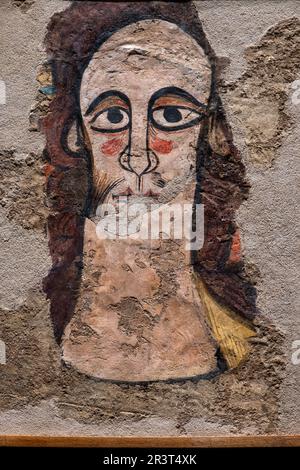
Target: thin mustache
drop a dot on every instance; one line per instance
(102, 186)
(160, 182)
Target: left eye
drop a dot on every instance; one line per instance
(112, 119)
(175, 117)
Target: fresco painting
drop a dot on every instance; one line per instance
(136, 118)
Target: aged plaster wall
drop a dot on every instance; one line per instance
(256, 72)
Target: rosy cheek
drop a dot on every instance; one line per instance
(162, 146)
(112, 147)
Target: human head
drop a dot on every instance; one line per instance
(74, 37)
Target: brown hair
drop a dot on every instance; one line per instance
(72, 38)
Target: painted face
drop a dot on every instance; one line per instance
(143, 98)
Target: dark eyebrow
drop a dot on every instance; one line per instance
(103, 96)
(172, 90)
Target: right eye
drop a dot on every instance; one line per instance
(113, 119)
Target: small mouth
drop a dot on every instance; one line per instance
(128, 193)
(150, 194)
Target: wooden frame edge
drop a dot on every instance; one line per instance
(175, 442)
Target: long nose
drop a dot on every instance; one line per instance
(138, 158)
(138, 147)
